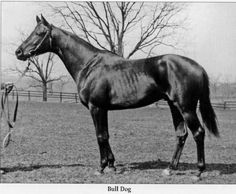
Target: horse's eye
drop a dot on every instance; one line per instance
(38, 33)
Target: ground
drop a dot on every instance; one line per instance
(56, 143)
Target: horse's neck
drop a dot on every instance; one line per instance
(73, 51)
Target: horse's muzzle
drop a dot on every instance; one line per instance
(20, 55)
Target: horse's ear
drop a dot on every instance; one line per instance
(38, 19)
(45, 22)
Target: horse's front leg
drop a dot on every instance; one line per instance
(101, 126)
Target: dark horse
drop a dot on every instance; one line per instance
(106, 81)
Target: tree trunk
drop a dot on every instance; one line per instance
(44, 92)
(120, 47)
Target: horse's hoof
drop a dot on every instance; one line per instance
(166, 172)
(196, 178)
(121, 171)
(98, 172)
(110, 170)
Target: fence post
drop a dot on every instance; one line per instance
(13, 94)
(76, 100)
(60, 96)
(224, 105)
(28, 95)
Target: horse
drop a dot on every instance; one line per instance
(106, 82)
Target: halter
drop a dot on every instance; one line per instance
(47, 35)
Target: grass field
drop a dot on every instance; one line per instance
(56, 143)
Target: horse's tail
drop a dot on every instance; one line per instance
(207, 112)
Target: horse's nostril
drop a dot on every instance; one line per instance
(18, 52)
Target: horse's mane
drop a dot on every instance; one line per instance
(79, 40)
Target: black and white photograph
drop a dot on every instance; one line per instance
(118, 94)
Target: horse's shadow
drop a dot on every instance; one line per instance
(223, 168)
(148, 165)
(38, 166)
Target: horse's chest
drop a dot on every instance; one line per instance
(83, 97)
(82, 87)
(93, 89)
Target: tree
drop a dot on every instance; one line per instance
(123, 28)
(227, 86)
(62, 82)
(215, 82)
(40, 71)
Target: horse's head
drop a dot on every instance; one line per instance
(38, 42)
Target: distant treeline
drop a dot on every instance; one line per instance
(223, 90)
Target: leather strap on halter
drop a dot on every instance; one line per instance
(47, 35)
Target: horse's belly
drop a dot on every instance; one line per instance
(136, 94)
(132, 103)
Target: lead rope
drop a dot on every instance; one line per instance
(5, 101)
(11, 124)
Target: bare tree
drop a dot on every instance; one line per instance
(111, 25)
(40, 71)
(215, 82)
(227, 87)
(62, 82)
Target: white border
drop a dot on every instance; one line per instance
(103, 188)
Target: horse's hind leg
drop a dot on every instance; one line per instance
(101, 125)
(181, 136)
(198, 134)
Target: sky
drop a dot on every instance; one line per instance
(210, 38)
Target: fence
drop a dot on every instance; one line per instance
(73, 98)
(51, 96)
(230, 105)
